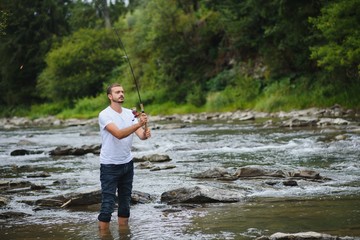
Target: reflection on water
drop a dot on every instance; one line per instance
(331, 207)
(122, 233)
(338, 216)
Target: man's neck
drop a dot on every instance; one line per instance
(116, 107)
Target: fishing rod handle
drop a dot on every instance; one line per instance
(142, 111)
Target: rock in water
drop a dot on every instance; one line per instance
(201, 194)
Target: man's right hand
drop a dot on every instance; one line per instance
(143, 119)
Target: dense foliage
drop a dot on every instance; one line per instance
(339, 52)
(31, 27)
(188, 55)
(79, 66)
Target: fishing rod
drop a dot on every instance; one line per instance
(121, 45)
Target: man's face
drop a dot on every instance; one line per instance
(117, 95)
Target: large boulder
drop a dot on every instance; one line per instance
(86, 198)
(77, 151)
(201, 194)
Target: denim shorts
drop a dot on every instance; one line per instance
(114, 177)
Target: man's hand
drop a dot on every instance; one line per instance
(147, 133)
(143, 119)
(143, 132)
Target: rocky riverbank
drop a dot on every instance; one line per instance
(335, 115)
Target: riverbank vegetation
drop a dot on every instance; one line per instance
(57, 57)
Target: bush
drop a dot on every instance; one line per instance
(47, 109)
(88, 107)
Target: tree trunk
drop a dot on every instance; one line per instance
(106, 13)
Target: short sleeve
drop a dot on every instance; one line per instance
(104, 120)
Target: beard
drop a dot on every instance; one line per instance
(119, 100)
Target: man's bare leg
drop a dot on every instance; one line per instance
(124, 230)
(123, 221)
(104, 230)
(104, 225)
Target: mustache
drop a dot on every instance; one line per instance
(118, 99)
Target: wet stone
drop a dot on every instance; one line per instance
(4, 201)
(159, 168)
(201, 194)
(76, 151)
(37, 187)
(5, 185)
(290, 183)
(153, 158)
(7, 215)
(216, 172)
(22, 152)
(39, 175)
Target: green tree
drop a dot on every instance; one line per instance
(94, 14)
(178, 42)
(338, 51)
(275, 33)
(82, 15)
(79, 66)
(31, 28)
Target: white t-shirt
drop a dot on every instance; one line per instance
(113, 150)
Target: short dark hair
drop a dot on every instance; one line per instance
(108, 90)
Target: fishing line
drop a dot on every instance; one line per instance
(121, 45)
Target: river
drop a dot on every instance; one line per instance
(331, 207)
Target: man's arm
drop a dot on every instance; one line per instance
(123, 133)
(143, 134)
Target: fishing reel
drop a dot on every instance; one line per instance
(135, 112)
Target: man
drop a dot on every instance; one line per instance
(117, 125)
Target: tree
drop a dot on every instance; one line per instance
(79, 66)
(105, 12)
(275, 33)
(94, 14)
(31, 28)
(178, 42)
(338, 51)
(82, 14)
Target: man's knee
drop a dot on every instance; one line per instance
(104, 217)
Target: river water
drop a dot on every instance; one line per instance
(331, 207)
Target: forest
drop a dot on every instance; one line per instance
(58, 56)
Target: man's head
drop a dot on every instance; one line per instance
(110, 87)
(115, 93)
